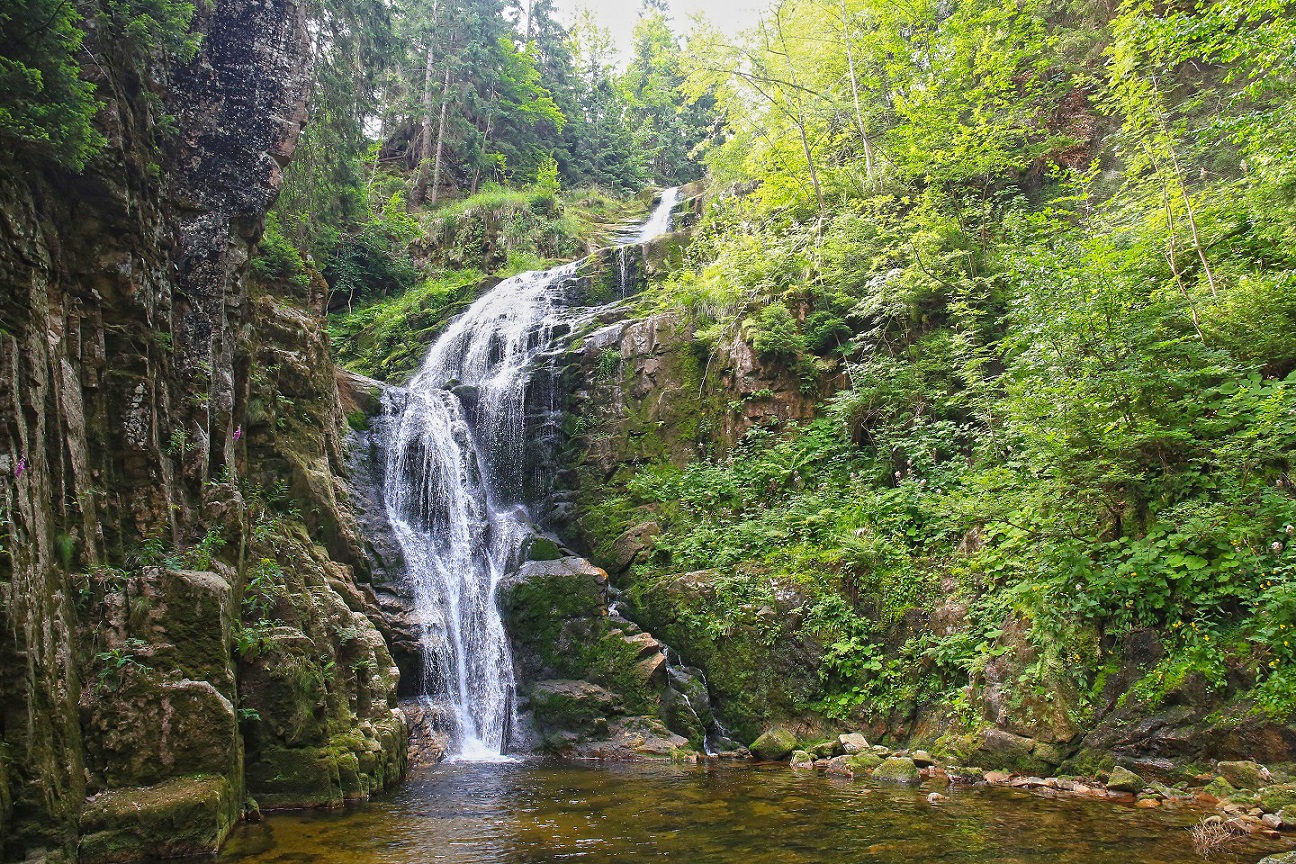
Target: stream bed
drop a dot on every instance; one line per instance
(534, 811)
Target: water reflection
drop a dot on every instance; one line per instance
(537, 813)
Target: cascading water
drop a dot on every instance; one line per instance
(454, 492)
(660, 221)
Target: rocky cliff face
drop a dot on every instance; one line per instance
(180, 626)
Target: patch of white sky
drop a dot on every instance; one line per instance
(619, 16)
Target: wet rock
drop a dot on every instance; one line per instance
(842, 766)
(1034, 716)
(1244, 775)
(802, 759)
(1219, 788)
(862, 763)
(774, 745)
(897, 769)
(936, 798)
(827, 749)
(852, 743)
(630, 738)
(652, 671)
(1124, 780)
(1147, 803)
(132, 749)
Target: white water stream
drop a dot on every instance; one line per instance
(454, 492)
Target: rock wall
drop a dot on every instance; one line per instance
(178, 559)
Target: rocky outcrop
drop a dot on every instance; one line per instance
(592, 683)
(170, 463)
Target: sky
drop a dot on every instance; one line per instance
(619, 15)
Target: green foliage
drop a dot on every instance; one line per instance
(1047, 254)
(374, 260)
(386, 338)
(774, 333)
(153, 27)
(609, 363)
(45, 107)
(278, 259)
(117, 665)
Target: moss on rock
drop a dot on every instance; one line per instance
(179, 817)
(774, 744)
(897, 769)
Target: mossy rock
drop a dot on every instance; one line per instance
(573, 706)
(283, 778)
(1244, 775)
(128, 745)
(544, 549)
(181, 817)
(1125, 780)
(1008, 752)
(897, 769)
(863, 763)
(1220, 788)
(775, 745)
(1276, 798)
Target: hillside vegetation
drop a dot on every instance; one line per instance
(1036, 261)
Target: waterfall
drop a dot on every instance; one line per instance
(660, 221)
(454, 492)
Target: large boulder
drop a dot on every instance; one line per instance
(179, 817)
(776, 744)
(578, 707)
(1004, 750)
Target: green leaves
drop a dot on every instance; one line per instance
(45, 107)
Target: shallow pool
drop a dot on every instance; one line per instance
(536, 811)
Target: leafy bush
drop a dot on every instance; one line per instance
(278, 258)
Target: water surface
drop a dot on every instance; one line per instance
(538, 813)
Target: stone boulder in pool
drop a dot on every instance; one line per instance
(897, 769)
(775, 745)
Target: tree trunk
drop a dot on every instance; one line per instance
(425, 142)
(440, 139)
(800, 116)
(859, 116)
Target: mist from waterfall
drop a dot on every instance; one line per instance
(454, 492)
